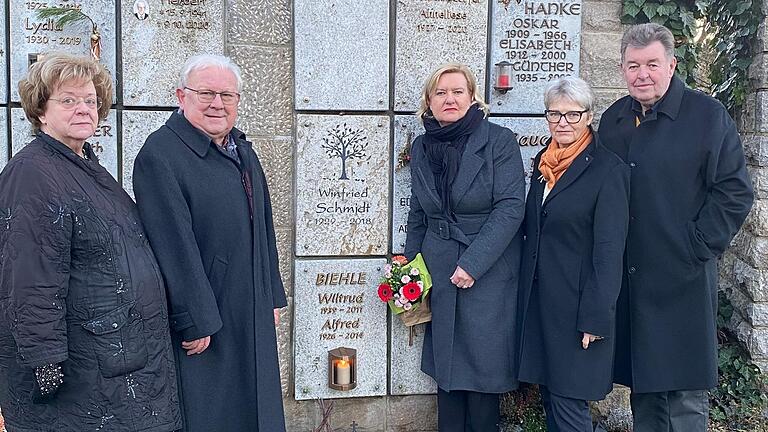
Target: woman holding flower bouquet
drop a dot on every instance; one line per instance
(575, 225)
(467, 202)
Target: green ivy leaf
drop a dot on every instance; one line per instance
(649, 9)
(667, 8)
(631, 9)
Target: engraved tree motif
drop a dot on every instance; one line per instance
(345, 143)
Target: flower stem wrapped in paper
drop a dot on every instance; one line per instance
(405, 287)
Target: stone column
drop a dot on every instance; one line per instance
(744, 267)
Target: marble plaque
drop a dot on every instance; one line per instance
(407, 128)
(542, 41)
(430, 33)
(103, 141)
(532, 135)
(5, 149)
(157, 41)
(3, 63)
(337, 306)
(406, 377)
(137, 125)
(342, 184)
(31, 35)
(342, 55)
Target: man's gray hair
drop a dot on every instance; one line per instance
(204, 61)
(570, 88)
(642, 35)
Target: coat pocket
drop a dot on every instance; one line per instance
(119, 341)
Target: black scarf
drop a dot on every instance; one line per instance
(444, 146)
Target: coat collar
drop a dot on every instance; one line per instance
(575, 170)
(668, 105)
(193, 137)
(468, 168)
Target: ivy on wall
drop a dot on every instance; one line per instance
(721, 32)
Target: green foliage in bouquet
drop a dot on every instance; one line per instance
(405, 285)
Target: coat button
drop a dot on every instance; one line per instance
(114, 325)
(632, 164)
(632, 270)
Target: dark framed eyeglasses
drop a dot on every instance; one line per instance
(570, 116)
(207, 96)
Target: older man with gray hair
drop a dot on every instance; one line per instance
(689, 194)
(203, 199)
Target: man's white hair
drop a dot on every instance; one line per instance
(204, 61)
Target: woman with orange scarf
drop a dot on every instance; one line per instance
(575, 227)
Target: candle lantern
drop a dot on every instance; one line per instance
(503, 72)
(342, 368)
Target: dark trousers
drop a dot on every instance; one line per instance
(565, 414)
(467, 411)
(673, 411)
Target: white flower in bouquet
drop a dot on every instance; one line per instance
(388, 268)
(388, 274)
(407, 306)
(420, 284)
(414, 272)
(405, 279)
(397, 302)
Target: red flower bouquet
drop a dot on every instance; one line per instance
(405, 287)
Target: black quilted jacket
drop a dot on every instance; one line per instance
(79, 286)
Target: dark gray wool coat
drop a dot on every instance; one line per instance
(571, 274)
(470, 343)
(689, 194)
(209, 221)
(80, 286)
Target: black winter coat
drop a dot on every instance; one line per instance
(571, 274)
(470, 343)
(690, 192)
(209, 221)
(80, 286)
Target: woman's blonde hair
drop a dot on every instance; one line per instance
(55, 69)
(431, 84)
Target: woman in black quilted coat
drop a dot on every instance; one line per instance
(84, 338)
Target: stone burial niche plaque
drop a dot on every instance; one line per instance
(103, 141)
(541, 41)
(342, 183)
(32, 36)
(342, 55)
(158, 37)
(337, 307)
(407, 128)
(4, 141)
(433, 32)
(532, 136)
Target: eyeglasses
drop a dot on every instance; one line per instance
(207, 96)
(570, 116)
(70, 102)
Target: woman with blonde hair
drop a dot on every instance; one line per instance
(467, 203)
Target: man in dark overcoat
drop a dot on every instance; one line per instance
(690, 192)
(203, 198)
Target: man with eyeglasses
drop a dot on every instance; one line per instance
(690, 192)
(203, 199)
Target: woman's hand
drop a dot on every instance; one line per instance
(462, 279)
(588, 339)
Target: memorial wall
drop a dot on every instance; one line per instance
(331, 88)
(142, 43)
(359, 72)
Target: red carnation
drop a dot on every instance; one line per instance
(411, 291)
(385, 292)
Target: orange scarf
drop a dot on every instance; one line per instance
(555, 160)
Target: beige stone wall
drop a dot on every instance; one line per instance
(744, 268)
